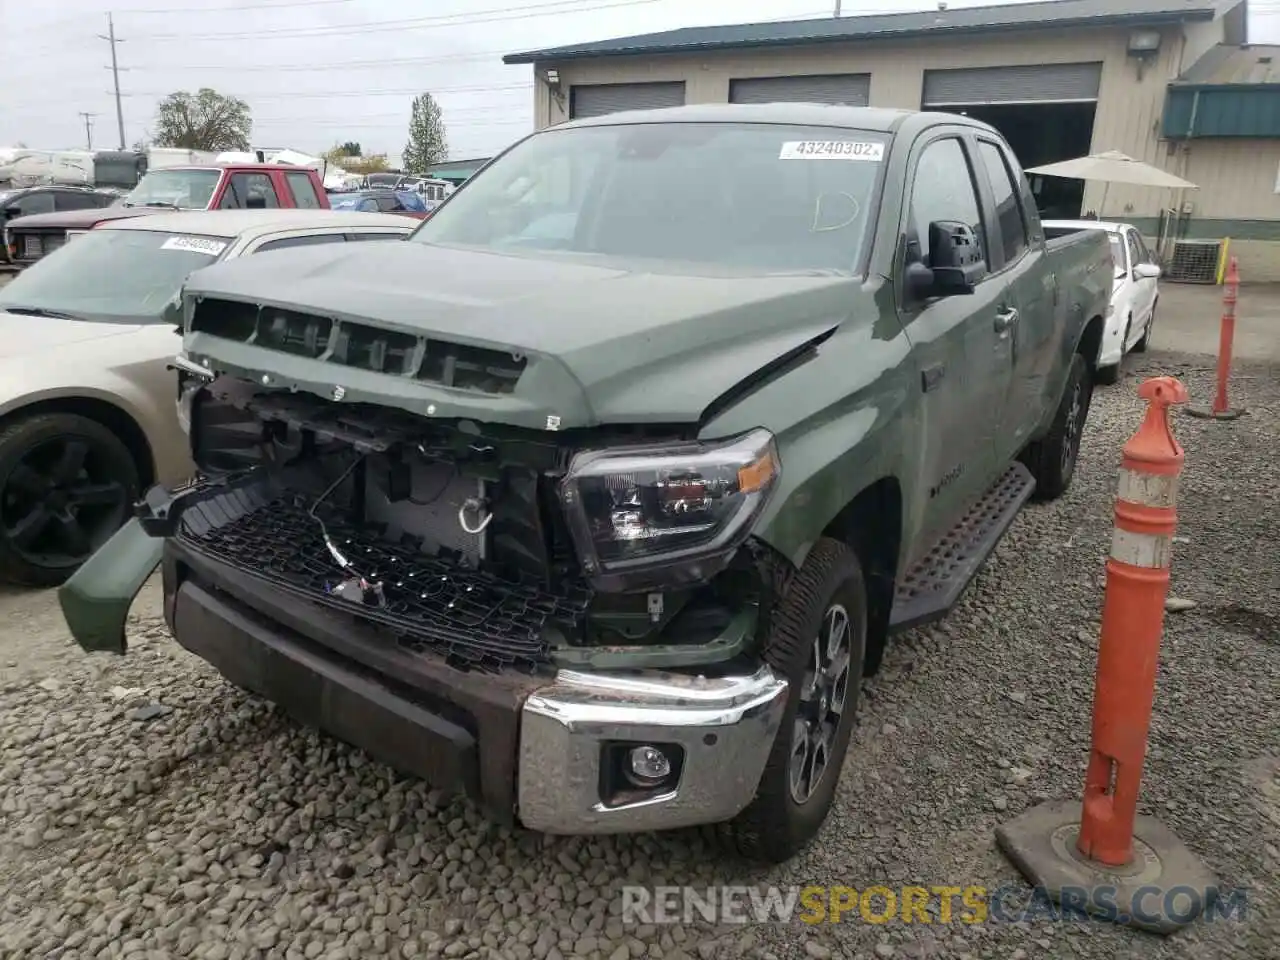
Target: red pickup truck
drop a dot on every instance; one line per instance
(210, 187)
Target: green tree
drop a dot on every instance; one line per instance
(427, 142)
(204, 120)
(350, 149)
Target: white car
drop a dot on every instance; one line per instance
(1133, 294)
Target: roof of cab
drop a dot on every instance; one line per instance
(235, 223)
(875, 119)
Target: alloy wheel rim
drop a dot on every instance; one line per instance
(1072, 429)
(60, 502)
(823, 695)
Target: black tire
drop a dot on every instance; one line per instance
(1141, 345)
(67, 483)
(1052, 459)
(775, 825)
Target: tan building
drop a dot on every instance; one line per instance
(1059, 79)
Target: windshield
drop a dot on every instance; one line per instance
(184, 189)
(1117, 253)
(122, 276)
(754, 196)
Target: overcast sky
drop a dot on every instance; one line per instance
(317, 72)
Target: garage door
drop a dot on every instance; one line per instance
(1041, 83)
(598, 99)
(852, 89)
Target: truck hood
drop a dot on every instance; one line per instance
(603, 342)
(79, 219)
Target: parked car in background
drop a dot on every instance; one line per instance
(26, 201)
(406, 202)
(191, 187)
(605, 523)
(87, 404)
(1135, 291)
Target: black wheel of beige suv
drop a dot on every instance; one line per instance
(817, 641)
(66, 485)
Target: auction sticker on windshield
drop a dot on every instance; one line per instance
(831, 150)
(195, 245)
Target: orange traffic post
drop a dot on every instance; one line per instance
(1221, 409)
(1101, 857)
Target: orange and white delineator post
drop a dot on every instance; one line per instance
(1132, 621)
(1221, 409)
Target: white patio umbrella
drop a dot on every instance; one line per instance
(1113, 167)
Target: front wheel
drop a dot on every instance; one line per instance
(818, 642)
(66, 485)
(1052, 459)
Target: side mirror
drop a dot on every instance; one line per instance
(1146, 271)
(955, 257)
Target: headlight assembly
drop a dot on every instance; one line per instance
(650, 516)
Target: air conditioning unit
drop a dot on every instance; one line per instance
(1194, 261)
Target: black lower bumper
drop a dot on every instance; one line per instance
(455, 729)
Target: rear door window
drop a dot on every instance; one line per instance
(303, 190)
(242, 187)
(72, 200)
(1013, 230)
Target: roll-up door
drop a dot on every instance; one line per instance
(598, 99)
(1037, 83)
(853, 89)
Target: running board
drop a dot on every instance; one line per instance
(932, 587)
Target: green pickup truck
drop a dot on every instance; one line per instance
(597, 496)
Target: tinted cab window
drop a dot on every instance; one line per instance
(943, 190)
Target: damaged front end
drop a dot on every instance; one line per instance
(527, 614)
(493, 547)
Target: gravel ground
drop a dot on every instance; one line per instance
(149, 810)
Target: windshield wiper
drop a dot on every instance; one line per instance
(39, 312)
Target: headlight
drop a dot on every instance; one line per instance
(650, 515)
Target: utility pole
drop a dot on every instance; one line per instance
(837, 8)
(88, 128)
(115, 73)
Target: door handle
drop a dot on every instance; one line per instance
(1005, 319)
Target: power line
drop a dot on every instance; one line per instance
(415, 23)
(112, 39)
(88, 128)
(316, 95)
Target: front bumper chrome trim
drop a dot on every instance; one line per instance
(726, 727)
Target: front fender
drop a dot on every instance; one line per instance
(96, 600)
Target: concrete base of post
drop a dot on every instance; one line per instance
(1164, 888)
(1207, 413)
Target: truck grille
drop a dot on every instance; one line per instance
(364, 346)
(434, 603)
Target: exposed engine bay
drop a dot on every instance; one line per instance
(496, 547)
